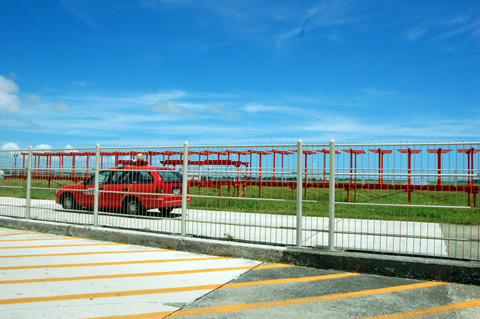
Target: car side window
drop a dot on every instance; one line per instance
(170, 177)
(141, 177)
(120, 177)
(103, 178)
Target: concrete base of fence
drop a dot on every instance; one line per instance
(465, 272)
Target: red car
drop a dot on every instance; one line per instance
(133, 188)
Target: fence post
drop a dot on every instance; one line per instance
(96, 193)
(29, 184)
(331, 198)
(184, 189)
(299, 191)
(393, 176)
(455, 178)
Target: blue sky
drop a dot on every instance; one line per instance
(161, 72)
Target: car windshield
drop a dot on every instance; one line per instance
(170, 176)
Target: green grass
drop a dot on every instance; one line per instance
(319, 209)
(48, 193)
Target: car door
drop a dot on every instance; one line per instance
(86, 197)
(115, 190)
(142, 183)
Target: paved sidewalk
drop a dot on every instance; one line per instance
(52, 276)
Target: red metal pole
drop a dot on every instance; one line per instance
(351, 167)
(470, 165)
(439, 166)
(324, 166)
(23, 173)
(355, 168)
(409, 167)
(380, 167)
(274, 156)
(260, 178)
(73, 166)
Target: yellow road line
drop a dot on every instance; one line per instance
(287, 280)
(24, 234)
(56, 246)
(277, 303)
(130, 292)
(89, 253)
(38, 239)
(164, 273)
(111, 263)
(273, 266)
(161, 273)
(430, 311)
(106, 294)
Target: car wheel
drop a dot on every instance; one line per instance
(68, 202)
(132, 206)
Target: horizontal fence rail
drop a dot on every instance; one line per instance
(395, 198)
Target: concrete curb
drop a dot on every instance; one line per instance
(464, 272)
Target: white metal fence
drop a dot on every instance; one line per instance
(396, 198)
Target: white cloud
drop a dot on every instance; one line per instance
(35, 127)
(10, 146)
(171, 108)
(9, 101)
(443, 30)
(7, 85)
(260, 108)
(42, 147)
(223, 112)
(34, 99)
(61, 106)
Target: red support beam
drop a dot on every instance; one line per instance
(260, 153)
(409, 151)
(470, 152)
(380, 153)
(325, 152)
(353, 156)
(439, 152)
(275, 152)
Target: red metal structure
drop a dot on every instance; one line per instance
(306, 152)
(325, 152)
(275, 152)
(409, 151)
(380, 153)
(470, 185)
(439, 152)
(51, 166)
(353, 157)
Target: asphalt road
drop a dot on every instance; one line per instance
(50, 276)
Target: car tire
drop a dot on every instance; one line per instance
(132, 206)
(68, 202)
(166, 211)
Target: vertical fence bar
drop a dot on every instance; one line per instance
(184, 189)
(29, 183)
(455, 178)
(299, 191)
(331, 198)
(95, 200)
